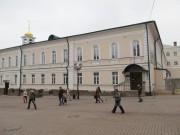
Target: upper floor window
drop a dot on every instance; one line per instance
(114, 77)
(167, 54)
(96, 78)
(65, 55)
(175, 53)
(25, 60)
(16, 60)
(168, 63)
(54, 57)
(9, 61)
(114, 51)
(175, 62)
(33, 59)
(65, 78)
(79, 54)
(136, 48)
(3, 61)
(43, 58)
(96, 52)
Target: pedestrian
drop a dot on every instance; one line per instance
(99, 94)
(139, 93)
(60, 95)
(117, 97)
(32, 99)
(96, 96)
(25, 96)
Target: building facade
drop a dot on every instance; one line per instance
(120, 57)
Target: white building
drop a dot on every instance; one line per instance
(121, 57)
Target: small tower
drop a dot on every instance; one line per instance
(28, 37)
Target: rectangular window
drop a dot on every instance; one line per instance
(65, 78)
(79, 78)
(114, 77)
(53, 78)
(33, 79)
(175, 53)
(16, 61)
(24, 79)
(42, 78)
(15, 79)
(175, 62)
(96, 78)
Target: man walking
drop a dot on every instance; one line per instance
(117, 98)
(139, 93)
(32, 99)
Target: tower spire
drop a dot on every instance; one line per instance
(29, 25)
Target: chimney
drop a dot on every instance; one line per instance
(175, 43)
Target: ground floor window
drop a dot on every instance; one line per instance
(114, 77)
(96, 78)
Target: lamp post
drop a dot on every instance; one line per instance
(77, 67)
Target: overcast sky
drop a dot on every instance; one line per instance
(70, 17)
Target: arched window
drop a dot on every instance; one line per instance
(96, 52)
(114, 51)
(3, 62)
(43, 58)
(54, 57)
(25, 60)
(136, 48)
(65, 55)
(9, 61)
(79, 54)
(33, 59)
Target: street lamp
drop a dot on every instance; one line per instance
(77, 67)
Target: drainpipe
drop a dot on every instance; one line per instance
(148, 62)
(155, 61)
(161, 57)
(67, 65)
(20, 72)
(155, 51)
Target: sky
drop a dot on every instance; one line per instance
(71, 17)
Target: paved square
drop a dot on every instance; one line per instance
(158, 115)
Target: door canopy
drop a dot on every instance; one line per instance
(133, 68)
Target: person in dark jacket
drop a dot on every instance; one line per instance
(60, 95)
(32, 99)
(139, 93)
(117, 97)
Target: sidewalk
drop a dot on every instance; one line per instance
(158, 115)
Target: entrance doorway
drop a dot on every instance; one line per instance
(135, 79)
(135, 73)
(6, 88)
